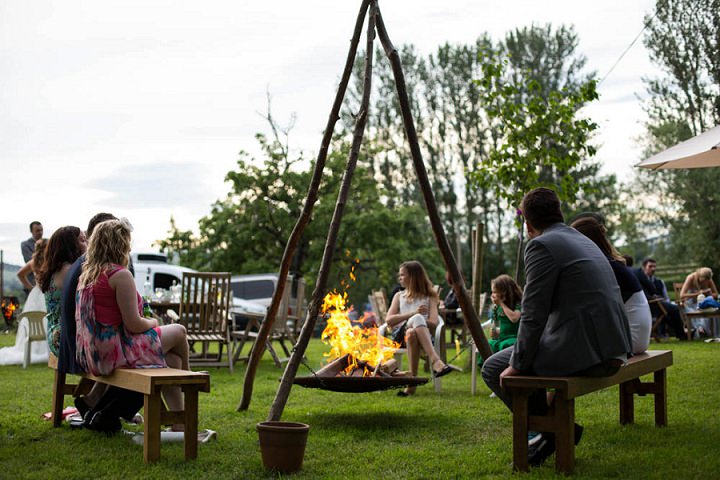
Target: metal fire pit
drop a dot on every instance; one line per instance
(358, 384)
(330, 378)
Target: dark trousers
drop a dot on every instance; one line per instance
(537, 401)
(672, 318)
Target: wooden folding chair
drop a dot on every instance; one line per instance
(205, 313)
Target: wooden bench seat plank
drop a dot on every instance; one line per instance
(145, 380)
(637, 366)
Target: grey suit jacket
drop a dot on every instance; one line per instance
(27, 247)
(572, 310)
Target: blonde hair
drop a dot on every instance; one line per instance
(704, 273)
(109, 244)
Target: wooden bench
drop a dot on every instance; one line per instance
(561, 417)
(149, 382)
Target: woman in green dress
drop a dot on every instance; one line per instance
(506, 298)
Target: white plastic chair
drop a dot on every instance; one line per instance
(35, 332)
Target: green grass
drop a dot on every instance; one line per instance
(376, 435)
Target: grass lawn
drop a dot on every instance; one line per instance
(377, 435)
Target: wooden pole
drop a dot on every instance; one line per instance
(298, 352)
(469, 314)
(266, 327)
(477, 266)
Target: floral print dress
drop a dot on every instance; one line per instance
(102, 348)
(52, 304)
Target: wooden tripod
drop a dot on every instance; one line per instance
(375, 23)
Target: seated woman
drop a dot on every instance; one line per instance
(637, 309)
(506, 297)
(417, 305)
(111, 331)
(700, 282)
(64, 247)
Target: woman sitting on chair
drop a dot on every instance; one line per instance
(700, 282)
(417, 306)
(111, 331)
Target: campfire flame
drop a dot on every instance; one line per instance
(363, 346)
(8, 307)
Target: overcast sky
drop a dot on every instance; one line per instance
(141, 107)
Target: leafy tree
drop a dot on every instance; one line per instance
(683, 39)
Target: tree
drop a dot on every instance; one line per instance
(683, 39)
(542, 140)
(457, 132)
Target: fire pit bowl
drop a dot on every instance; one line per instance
(282, 445)
(358, 384)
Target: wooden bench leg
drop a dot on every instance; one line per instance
(151, 447)
(191, 421)
(58, 399)
(520, 431)
(660, 378)
(564, 419)
(627, 402)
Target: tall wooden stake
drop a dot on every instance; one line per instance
(261, 340)
(361, 120)
(478, 232)
(469, 314)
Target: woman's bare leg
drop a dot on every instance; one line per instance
(423, 338)
(173, 339)
(413, 352)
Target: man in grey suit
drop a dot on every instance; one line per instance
(573, 321)
(28, 246)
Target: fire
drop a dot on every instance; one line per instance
(8, 306)
(362, 345)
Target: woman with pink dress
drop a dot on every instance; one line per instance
(111, 331)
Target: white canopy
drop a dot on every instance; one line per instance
(701, 151)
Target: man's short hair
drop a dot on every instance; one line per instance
(32, 224)
(541, 208)
(647, 260)
(98, 218)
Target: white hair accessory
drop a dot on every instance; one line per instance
(126, 223)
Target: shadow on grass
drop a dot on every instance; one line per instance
(376, 421)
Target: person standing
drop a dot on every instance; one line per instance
(27, 248)
(572, 321)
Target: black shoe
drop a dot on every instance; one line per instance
(445, 370)
(101, 422)
(402, 393)
(578, 433)
(538, 453)
(82, 407)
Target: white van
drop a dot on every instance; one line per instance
(155, 269)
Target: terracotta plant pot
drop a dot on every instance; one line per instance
(282, 445)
